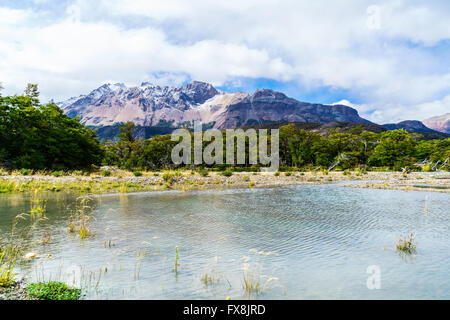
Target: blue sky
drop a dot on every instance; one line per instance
(388, 59)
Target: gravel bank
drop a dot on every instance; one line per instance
(97, 184)
(17, 291)
(436, 182)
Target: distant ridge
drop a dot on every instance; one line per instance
(439, 123)
(410, 126)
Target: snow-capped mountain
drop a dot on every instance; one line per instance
(153, 105)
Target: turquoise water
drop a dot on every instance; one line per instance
(302, 242)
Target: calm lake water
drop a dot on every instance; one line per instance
(304, 242)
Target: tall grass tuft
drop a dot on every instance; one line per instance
(210, 278)
(407, 244)
(7, 274)
(177, 258)
(252, 283)
(38, 206)
(79, 220)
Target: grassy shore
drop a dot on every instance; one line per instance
(119, 181)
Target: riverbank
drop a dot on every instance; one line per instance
(16, 291)
(436, 182)
(125, 182)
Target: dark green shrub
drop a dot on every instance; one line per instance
(203, 172)
(58, 173)
(168, 177)
(106, 173)
(227, 173)
(25, 172)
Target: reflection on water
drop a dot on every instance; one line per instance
(300, 242)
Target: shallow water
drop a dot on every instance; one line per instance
(304, 242)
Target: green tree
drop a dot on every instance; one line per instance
(42, 136)
(433, 150)
(32, 93)
(396, 149)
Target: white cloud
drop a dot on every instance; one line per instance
(320, 43)
(83, 55)
(393, 113)
(9, 17)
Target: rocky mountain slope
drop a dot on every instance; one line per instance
(161, 106)
(439, 123)
(409, 125)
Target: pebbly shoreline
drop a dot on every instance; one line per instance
(124, 182)
(17, 291)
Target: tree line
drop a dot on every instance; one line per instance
(299, 148)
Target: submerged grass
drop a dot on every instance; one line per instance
(252, 283)
(210, 277)
(79, 220)
(177, 258)
(407, 244)
(37, 206)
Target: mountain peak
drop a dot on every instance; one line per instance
(268, 93)
(199, 91)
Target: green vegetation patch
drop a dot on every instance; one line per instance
(137, 173)
(227, 173)
(203, 172)
(53, 291)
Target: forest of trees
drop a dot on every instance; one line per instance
(37, 136)
(299, 149)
